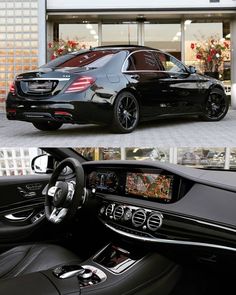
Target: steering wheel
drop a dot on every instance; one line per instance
(64, 197)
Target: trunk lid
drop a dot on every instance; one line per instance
(45, 82)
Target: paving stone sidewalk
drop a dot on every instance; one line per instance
(189, 132)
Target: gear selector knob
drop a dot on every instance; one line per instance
(68, 271)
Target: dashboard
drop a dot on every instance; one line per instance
(156, 185)
(164, 203)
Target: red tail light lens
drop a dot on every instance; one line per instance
(80, 84)
(12, 88)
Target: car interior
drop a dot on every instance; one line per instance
(116, 227)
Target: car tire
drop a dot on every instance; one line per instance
(216, 106)
(47, 126)
(125, 113)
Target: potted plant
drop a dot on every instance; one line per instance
(211, 54)
(61, 47)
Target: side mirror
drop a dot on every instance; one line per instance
(192, 69)
(42, 164)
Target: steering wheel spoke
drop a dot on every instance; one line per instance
(58, 214)
(52, 190)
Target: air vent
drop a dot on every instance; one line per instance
(138, 218)
(154, 221)
(109, 209)
(118, 212)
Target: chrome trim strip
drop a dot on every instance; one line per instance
(15, 218)
(43, 79)
(168, 241)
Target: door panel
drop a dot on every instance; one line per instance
(21, 206)
(182, 88)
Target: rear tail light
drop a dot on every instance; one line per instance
(11, 111)
(12, 88)
(62, 113)
(80, 84)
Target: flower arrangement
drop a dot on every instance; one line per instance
(61, 47)
(211, 53)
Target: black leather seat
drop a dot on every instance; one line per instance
(31, 258)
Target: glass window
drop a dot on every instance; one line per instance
(202, 157)
(88, 153)
(17, 161)
(166, 37)
(153, 154)
(142, 61)
(85, 34)
(109, 153)
(93, 59)
(170, 63)
(232, 163)
(117, 34)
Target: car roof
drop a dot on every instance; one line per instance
(125, 47)
(130, 48)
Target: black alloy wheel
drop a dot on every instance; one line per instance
(216, 106)
(47, 126)
(126, 113)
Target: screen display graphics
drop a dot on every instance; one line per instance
(149, 185)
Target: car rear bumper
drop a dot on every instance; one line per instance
(64, 112)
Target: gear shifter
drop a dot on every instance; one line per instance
(68, 271)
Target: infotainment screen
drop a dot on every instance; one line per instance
(149, 185)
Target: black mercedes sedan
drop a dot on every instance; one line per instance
(116, 86)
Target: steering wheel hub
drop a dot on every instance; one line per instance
(60, 194)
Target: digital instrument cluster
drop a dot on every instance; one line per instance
(103, 181)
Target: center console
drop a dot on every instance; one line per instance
(113, 270)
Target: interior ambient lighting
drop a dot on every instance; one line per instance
(175, 38)
(178, 34)
(95, 37)
(188, 22)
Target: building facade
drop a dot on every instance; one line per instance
(168, 25)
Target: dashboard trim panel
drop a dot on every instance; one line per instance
(168, 241)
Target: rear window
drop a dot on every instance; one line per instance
(91, 59)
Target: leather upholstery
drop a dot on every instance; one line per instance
(31, 258)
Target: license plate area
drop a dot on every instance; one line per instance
(38, 87)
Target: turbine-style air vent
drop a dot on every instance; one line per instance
(154, 221)
(118, 212)
(138, 218)
(109, 210)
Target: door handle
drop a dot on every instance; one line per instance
(136, 77)
(16, 218)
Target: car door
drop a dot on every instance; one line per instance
(141, 71)
(21, 206)
(181, 88)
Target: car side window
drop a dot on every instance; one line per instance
(141, 61)
(170, 63)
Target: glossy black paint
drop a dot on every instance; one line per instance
(159, 93)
